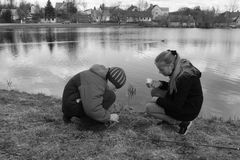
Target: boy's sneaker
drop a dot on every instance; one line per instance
(184, 126)
(66, 119)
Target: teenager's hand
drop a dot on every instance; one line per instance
(153, 83)
(154, 99)
(156, 84)
(114, 117)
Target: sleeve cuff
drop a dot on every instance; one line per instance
(161, 102)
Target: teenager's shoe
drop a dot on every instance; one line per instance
(66, 119)
(184, 126)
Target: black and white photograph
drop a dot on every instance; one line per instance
(119, 79)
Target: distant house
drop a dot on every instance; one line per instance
(43, 20)
(235, 19)
(174, 21)
(14, 13)
(145, 16)
(87, 11)
(83, 17)
(106, 13)
(222, 20)
(95, 15)
(228, 19)
(188, 21)
(134, 15)
(180, 21)
(157, 11)
(102, 14)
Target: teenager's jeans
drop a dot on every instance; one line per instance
(157, 111)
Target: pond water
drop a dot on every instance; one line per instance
(42, 60)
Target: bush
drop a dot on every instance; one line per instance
(6, 16)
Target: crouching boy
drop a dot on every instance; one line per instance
(90, 93)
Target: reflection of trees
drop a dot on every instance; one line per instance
(72, 49)
(9, 37)
(202, 43)
(38, 37)
(103, 39)
(14, 50)
(114, 41)
(72, 43)
(50, 38)
(142, 47)
(153, 44)
(71, 39)
(228, 44)
(25, 38)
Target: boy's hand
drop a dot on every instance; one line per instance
(114, 117)
(78, 100)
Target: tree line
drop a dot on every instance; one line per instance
(203, 18)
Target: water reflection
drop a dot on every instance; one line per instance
(50, 38)
(8, 37)
(42, 60)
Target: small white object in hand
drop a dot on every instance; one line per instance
(149, 82)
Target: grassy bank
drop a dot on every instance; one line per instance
(32, 128)
(59, 25)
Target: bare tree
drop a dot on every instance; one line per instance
(83, 4)
(118, 3)
(232, 6)
(146, 5)
(141, 5)
(24, 10)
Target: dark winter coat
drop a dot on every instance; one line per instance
(186, 103)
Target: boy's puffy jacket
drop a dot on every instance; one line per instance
(89, 86)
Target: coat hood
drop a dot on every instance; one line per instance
(100, 70)
(186, 65)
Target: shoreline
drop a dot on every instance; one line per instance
(60, 25)
(32, 128)
(90, 25)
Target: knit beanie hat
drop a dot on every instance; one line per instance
(117, 76)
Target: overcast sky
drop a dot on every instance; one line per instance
(173, 5)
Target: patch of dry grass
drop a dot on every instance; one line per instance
(32, 128)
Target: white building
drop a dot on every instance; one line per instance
(158, 11)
